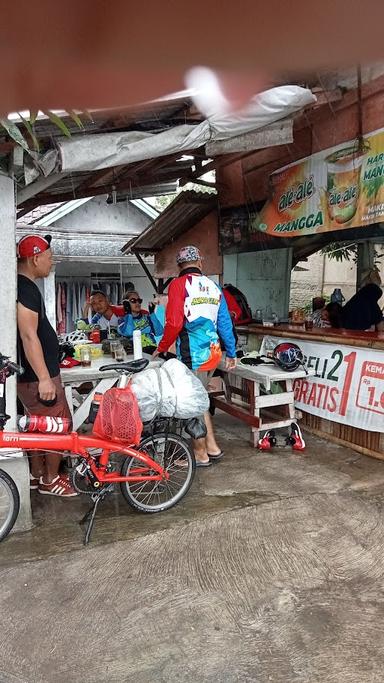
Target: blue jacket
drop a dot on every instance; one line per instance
(148, 324)
(197, 317)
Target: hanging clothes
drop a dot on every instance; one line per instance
(72, 293)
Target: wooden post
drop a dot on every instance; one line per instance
(147, 272)
(14, 461)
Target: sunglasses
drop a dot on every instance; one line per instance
(135, 301)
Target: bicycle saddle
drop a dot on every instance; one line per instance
(131, 366)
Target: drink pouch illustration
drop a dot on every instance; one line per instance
(343, 183)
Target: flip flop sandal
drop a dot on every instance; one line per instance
(218, 456)
(184, 464)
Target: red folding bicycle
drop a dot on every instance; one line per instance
(154, 476)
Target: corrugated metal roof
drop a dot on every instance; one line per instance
(183, 213)
(40, 212)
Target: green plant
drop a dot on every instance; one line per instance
(24, 133)
(346, 251)
(341, 251)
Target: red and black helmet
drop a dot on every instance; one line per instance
(288, 356)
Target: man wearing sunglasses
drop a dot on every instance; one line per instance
(136, 318)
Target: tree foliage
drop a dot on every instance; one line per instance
(341, 251)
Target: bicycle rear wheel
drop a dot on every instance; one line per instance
(9, 504)
(172, 453)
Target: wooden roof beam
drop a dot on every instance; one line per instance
(84, 189)
(99, 176)
(218, 162)
(129, 175)
(48, 198)
(133, 170)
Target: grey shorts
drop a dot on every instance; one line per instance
(204, 377)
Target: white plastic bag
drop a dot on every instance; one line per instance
(169, 391)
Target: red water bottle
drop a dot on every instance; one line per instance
(44, 424)
(95, 336)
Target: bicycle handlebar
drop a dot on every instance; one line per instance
(7, 364)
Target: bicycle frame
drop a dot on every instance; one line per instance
(78, 445)
(95, 467)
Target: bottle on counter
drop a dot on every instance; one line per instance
(95, 336)
(308, 322)
(337, 296)
(137, 345)
(267, 317)
(112, 332)
(275, 318)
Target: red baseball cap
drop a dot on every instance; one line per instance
(30, 245)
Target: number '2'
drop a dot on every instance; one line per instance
(331, 375)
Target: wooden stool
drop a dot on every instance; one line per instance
(248, 392)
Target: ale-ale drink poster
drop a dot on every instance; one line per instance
(341, 187)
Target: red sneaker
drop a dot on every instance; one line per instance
(60, 486)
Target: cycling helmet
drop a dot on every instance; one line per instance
(74, 337)
(288, 356)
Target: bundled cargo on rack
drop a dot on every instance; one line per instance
(171, 390)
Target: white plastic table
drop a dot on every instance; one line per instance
(71, 378)
(244, 400)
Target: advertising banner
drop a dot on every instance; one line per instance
(347, 387)
(341, 187)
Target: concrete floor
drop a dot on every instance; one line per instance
(272, 569)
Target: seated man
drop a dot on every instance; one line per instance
(330, 316)
(105, 315)
(363, 312)
(137, 318)
(318, 304)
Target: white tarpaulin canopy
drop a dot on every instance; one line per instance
(93, 152)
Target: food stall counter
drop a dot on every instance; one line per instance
(374, 340)
(344, 400)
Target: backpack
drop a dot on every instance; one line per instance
(237, 305)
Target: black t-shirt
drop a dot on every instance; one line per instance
(29, 295)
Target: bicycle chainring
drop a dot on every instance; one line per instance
(82, 483)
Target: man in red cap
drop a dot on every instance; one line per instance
(39, 355)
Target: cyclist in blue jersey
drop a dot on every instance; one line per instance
(137, 318)
(197, 318)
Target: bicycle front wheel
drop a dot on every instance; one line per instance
(9, 504)
(175, 456)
